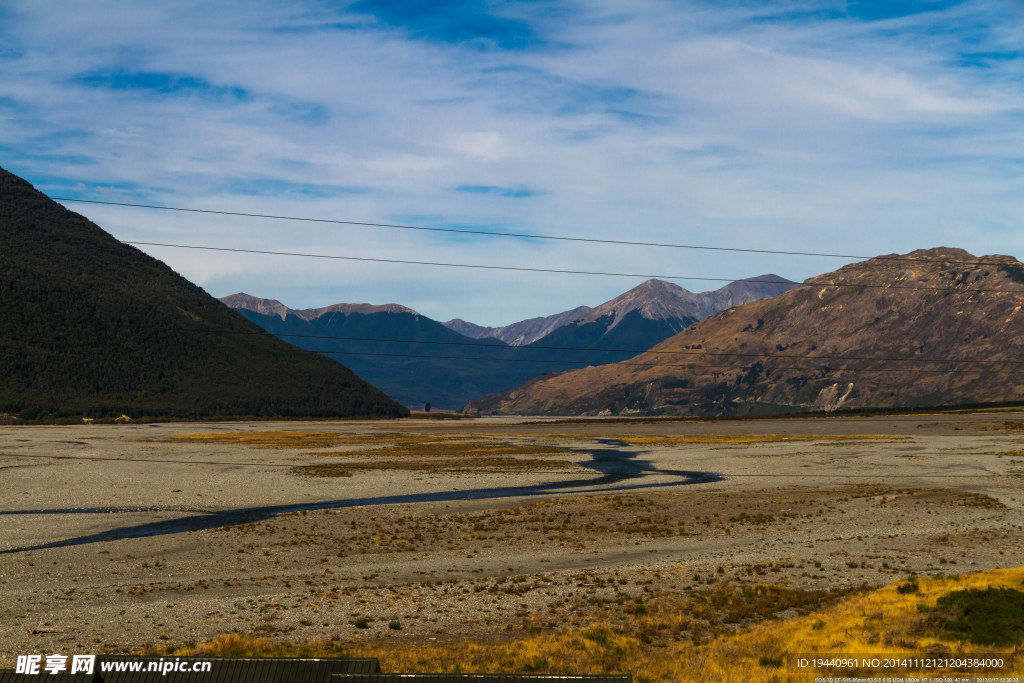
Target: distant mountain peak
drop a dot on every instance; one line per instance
(521, 333)
(273, 307)
(347, 309)
(256, 304)
(766, 279)
(654, 299)
(659, 300)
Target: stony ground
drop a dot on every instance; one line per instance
(119, 537)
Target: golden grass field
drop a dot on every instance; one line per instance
(882, 623)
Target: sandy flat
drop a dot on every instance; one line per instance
(115, 537)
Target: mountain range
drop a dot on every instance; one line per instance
(417, 360)
(932, 327)
(654, 300)
(94, 328)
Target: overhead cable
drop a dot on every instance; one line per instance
(825, 284)
(524, 235)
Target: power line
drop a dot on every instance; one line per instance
(576, 272)
(688, 352)
(521, 235)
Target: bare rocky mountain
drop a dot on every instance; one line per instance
(273, 307)
(653, 300)
(742, 292)
(933, 327)
(660, 300)
(521, 333)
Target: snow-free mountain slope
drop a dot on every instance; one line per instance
(945, 328)
(417, 360)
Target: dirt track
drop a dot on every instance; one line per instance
(113, 537)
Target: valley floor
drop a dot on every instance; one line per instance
(120, 537)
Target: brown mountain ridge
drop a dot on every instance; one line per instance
(933, 327)
(652, 300)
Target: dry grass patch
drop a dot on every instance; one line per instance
(750, 438)
(238, 645)
(646, 440)
(308, 439)
(399, 443)
(433, 453)
(396, 451)
(724, 634)
(620, 635)
(271, 439)
(425, 452)
(1004, 426)
(428, 447)
(953, 497)
(476, 464)
(396, 444)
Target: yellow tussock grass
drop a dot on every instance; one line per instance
(749, 438)
(450, 449)
(657, 440)
(384, 442)
(883, 622)
(436, 465)
(268, 439)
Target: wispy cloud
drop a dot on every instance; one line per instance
(509, 192)
(858, 127)
(149, 84)
(471, 23)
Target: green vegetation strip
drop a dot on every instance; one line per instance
(989, 616)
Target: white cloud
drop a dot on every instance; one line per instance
(481, 146)
(657, 121)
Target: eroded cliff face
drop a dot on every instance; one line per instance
(933, 327)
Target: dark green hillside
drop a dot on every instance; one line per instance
(92, 327)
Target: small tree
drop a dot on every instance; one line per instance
(426, 408)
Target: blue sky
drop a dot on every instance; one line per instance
(849, 127)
